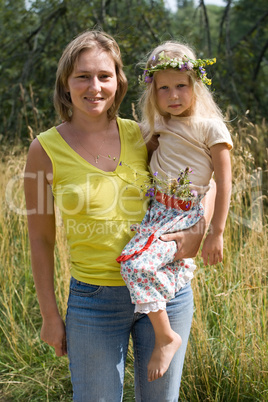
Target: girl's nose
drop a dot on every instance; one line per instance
(173, 94)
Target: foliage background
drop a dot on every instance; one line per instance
(32, 39)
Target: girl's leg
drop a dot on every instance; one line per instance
(98, 325)
(166, 388)
(167, 342)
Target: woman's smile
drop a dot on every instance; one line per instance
(93, 83)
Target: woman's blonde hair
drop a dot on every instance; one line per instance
(87, 41)
(203, 104)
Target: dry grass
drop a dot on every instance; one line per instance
(227, 354)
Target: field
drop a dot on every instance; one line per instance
(227, 353)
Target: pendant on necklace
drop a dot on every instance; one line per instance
(106, 157)
(96, 158)
(114, 158)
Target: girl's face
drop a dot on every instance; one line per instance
(174, 92)
(93, 83)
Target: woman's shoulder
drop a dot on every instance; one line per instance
(36, 144)
(127, 124)
(38, 153)
(130, 129)
(37, 157)
(51, 132)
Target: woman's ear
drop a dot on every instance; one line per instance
(66, 87)
(68, 95)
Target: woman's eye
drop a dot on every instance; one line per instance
(104, 76)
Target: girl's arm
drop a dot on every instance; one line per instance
(41, 226)
(189, 240)
(212, 251)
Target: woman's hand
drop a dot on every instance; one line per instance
(53, 333)
(188, 241)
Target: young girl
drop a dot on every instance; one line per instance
(178, 107)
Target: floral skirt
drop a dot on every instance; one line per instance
(147, 265)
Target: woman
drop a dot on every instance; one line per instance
(77, 165)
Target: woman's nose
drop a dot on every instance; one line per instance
(95, 84)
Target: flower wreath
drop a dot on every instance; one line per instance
(186, 64)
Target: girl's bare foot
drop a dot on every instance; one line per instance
(162, 355)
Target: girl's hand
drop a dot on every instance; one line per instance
(53, 333)
(212, 251)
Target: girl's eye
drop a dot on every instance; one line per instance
(181, 85)
(163, 87)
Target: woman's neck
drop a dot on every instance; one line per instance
(89, 125)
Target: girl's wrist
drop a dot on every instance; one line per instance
(215, 230)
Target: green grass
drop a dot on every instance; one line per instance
(227, 354)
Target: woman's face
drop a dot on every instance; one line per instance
(93, 83)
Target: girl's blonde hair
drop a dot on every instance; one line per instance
(87, 41)
(203, 104)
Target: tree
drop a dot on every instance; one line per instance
(29, 59)
(33, 38)
(237, 35)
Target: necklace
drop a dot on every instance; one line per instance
(97, 157)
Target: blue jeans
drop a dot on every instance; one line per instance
(99, 322)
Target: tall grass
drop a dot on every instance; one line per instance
(227, 354)
(29, 371)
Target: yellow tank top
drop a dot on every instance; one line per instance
(98, 207)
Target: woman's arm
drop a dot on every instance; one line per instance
(41, 227)
(152, 145)
(189, 240)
